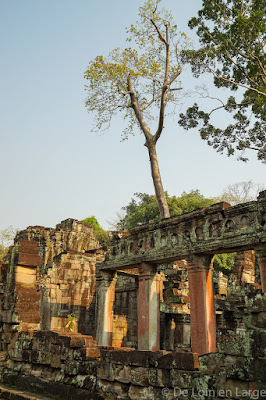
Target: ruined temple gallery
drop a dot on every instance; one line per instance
(147, 318)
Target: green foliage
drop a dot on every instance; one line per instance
(224, 262)
(144, 60)
(100, 234)
(145, 209)
(6, 238)
(70, 323)
(232, 35)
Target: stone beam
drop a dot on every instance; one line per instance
(216, 229)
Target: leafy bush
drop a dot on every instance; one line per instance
(224, 262)
(100, 234)
(145, 208)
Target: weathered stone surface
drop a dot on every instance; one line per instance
(139, 376)
(181, 361)
(159, 377)
(204, 231)
(113, 391)
(235, 344)
(138, 392)
(211, 363)
(232, 388)
(73, 365)
(51, 275)
(259, 320)
(181, 379)
(132, 357)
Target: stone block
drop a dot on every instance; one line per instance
(64, 353)
(56, 361)
(239, 368)
(211, 363)
(113, 390)
(259, 320)
(106, 371)
(258, 344)
(25, 278)
(181, 379)
(77, 341)
(257, 369)
(133, 357)
(40, 357)
(26, 356)
(229, 388)
(89, 383)
(87, 368)
(92, 353)
(7, 316)
(228, 342)
(78, 353)
(203, 386)
(16, 354)
(139, 376)
(27, 259)
(122, 373)
(71, 367)
(159, 377)
(63, 341)
(139, 393)
(182, 361)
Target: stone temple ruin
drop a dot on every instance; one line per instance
(147, 318)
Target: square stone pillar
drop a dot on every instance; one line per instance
(182, 330)
(261, 253)
(148, 308)
(202, 311)
(105, 295)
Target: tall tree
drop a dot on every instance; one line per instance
(140, 81)
(232, 35)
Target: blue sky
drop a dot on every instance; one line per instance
(52, 165)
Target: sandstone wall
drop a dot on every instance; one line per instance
(50, 275)
(68, 362)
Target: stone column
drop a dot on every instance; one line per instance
(183, 330)
(262, 264)
(105, 295)
(148, 308)
(202, 311)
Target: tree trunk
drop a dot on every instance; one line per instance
(157, 181)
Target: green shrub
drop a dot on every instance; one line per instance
(224, 262)
(100, 234)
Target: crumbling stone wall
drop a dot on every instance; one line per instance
(51, 274)
(61, 364)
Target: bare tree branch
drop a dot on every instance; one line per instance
(164, 88)
(158, 31)
(150, 103)
(137, 111)
(237, 83)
